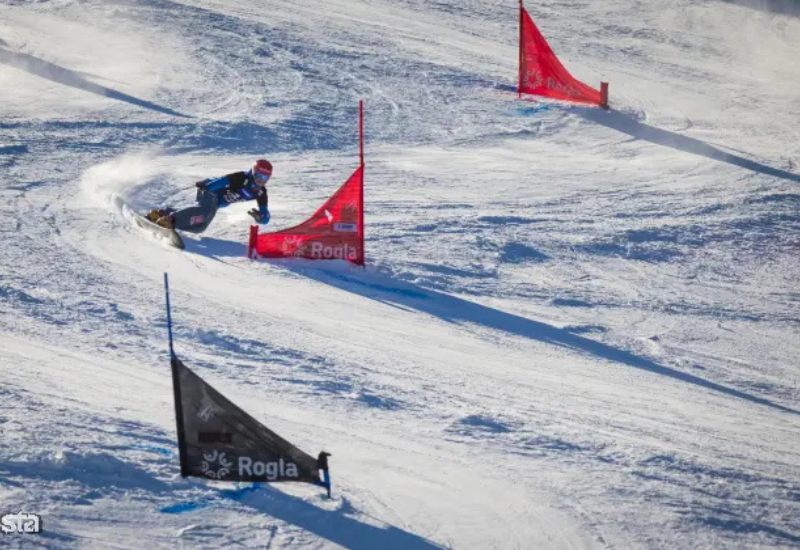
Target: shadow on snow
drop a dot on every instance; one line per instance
(51, 71)
(785, 7)
(626, 124)
(216, 248)
(338, 526)
(391, 291)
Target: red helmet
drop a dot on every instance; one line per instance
(262, 171)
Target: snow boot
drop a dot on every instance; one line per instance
(165, 217)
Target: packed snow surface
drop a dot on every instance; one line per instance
(577, 328)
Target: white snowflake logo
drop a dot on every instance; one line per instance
(533, 78)
(223, 468)
(293, 246)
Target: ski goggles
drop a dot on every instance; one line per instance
(261, 179)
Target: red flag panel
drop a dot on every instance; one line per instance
(335, 231)
(540, 71)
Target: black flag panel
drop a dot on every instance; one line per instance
(218, 440)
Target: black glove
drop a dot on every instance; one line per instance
(201, 185)
(260, 218)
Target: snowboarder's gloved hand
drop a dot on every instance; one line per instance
(258, 217)
(202, 185)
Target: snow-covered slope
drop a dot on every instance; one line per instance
(577, 328)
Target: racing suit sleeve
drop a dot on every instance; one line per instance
(216, 184)
(263, 203)
(234, 181)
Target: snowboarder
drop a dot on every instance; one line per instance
(217, 193)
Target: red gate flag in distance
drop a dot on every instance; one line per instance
(540, 71)
(335, 231)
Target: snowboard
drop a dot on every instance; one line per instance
(163, 233)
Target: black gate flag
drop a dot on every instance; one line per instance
(218, 440)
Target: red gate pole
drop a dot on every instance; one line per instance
(604, 95)
(251, 246)
(361, 131)
(519, 70)
(361, 156)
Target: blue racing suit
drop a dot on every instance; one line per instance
(236, 187)
(218, 193)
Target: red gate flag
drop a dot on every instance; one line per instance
(335, 231)
(540, 71)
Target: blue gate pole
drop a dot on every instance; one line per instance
(169, 317)
(176, 388)
(327, 481)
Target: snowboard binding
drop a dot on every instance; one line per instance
(163, 217)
